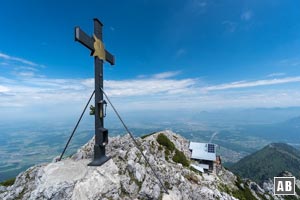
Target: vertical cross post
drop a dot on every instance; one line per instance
(100, 133)
(100, 55)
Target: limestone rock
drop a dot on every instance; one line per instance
(126, 176)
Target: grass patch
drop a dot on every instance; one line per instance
(21, 194)
(123, 192)
(262, 196)
(164, 141)
(167, 154)
(133, 179)
(160, 148)
(297, 190)
(179, 157)
(195, 170)
(243, 193)
(8, 182)
(152, 144)
(147, 135)
(138, 154)
(223, 188)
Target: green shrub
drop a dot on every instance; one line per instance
(164, 140)
(152, 144)
(242, 193)
(262, 196)
(224, 188)
(8, 182)
(133, 179)
(167, 184)
(167, 154)
(160, 148)
(179, 157)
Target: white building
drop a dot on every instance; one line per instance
(204, 154)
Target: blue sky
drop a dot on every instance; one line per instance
(197, 54)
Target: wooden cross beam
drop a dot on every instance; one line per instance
(88, 42)
(96, 46)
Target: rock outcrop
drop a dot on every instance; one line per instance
(127, 176)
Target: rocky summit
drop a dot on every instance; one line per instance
(127, 176)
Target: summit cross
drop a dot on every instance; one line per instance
(96, 46)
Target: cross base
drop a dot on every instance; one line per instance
(99, 156)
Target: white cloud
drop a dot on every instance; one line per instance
(148, 87)
(276, 74)
(3, 89)
(29, 91)
(165, 75)
(245, 84)
(26, 74)
(12, 58)
(162, 90)
(247, 15)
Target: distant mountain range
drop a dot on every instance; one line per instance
(269, 162)
(286, 131)
(294, 121)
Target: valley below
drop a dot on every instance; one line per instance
(32, 143)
